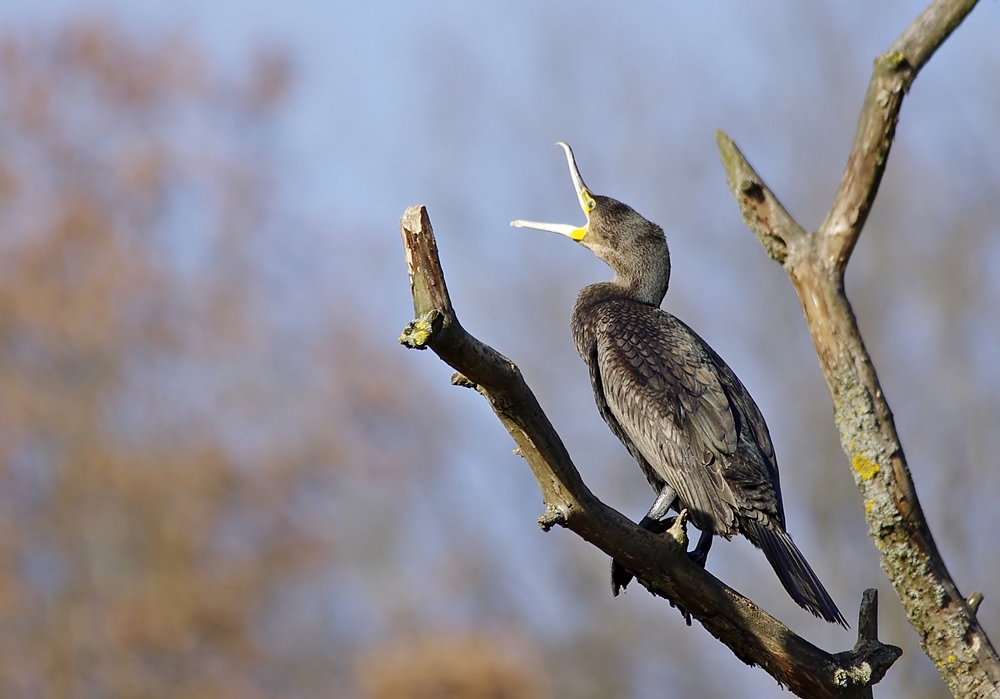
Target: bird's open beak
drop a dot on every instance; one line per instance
(583, 194)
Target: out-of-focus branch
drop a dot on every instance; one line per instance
(950, 633)
(659, 562)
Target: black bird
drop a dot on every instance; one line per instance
(698, 436)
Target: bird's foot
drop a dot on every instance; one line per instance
(657, 526)
(620, 578)
(699, 554)
(698, 557)
(684, 613)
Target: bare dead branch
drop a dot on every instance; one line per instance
(892, 75)
(928, 31)
(762, 212)
(659, 562)
(946, 623)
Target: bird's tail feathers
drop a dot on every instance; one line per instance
(795, 574)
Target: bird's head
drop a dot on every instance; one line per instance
(587, 202)
(632, 246)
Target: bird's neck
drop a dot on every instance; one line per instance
(643, 274)
(642, 269)
(645, 287)
(616, 289)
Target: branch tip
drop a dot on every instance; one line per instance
(460, 379)
(553, 515)
(423, 265)
(763, 214)
(415, 218)
(868, 616)
(420, 332)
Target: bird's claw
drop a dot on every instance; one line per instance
(698, 557)
(620, 578)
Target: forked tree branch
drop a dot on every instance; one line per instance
(892, 75)
(659, 562)
(946, 623)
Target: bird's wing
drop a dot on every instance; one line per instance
(755, 430)
(664, 391)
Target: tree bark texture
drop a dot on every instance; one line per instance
(946, 622)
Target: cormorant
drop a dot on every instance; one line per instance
(681, 412)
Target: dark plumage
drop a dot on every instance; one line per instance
(681, 412)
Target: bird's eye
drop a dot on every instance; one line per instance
(591, 204)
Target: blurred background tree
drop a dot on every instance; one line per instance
(219, 476)
(171, 439)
